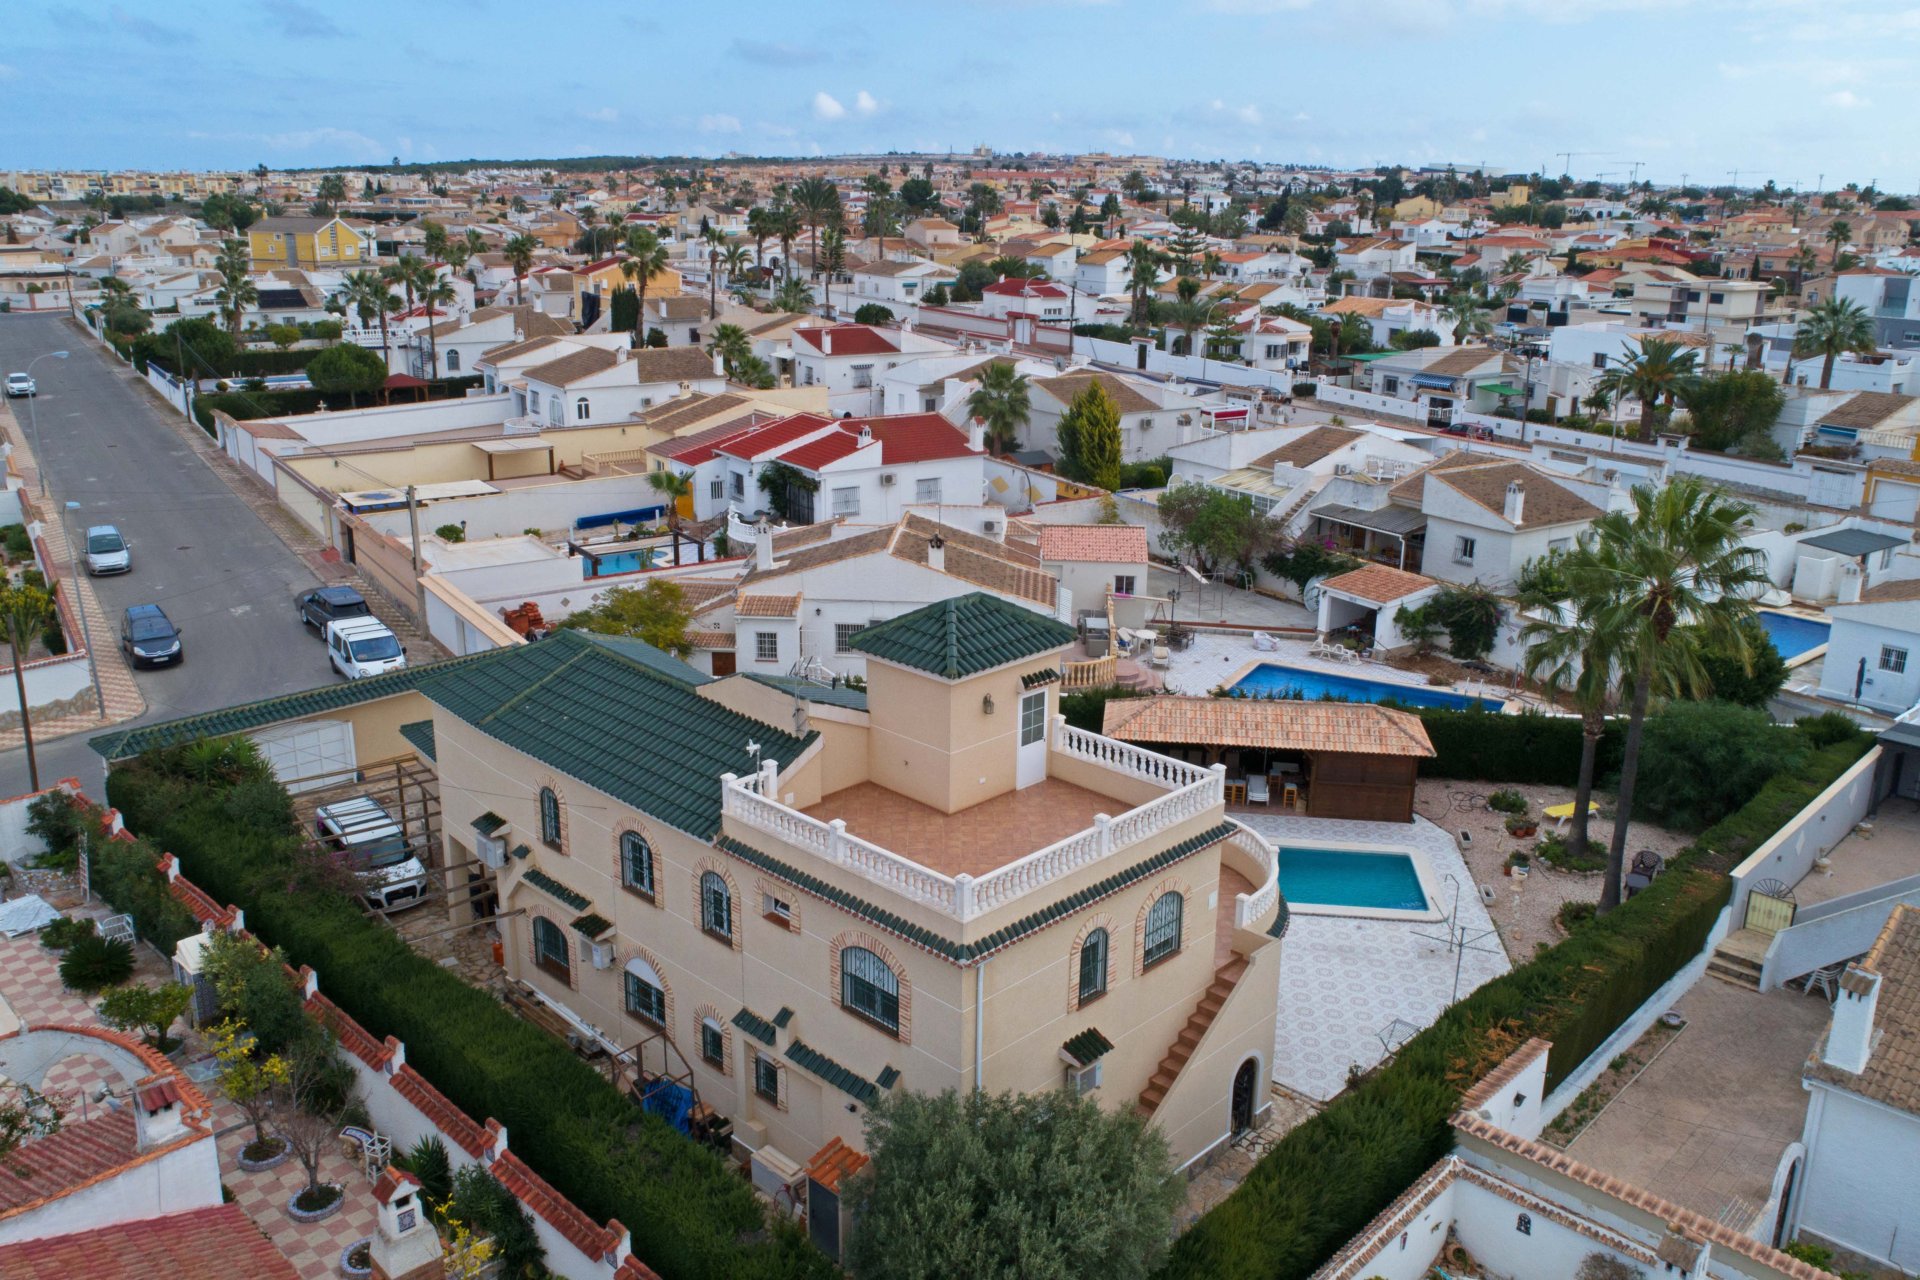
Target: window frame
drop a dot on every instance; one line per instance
(1124, 583)
(713, 1051)
(763, 641)
(875, 1005)
(553, 828)
(846, 500)
(1038, 729)
(710, 881)
(771, 1067)
(1095, 946)
(560, 966)
(582, 409)
(927, 489)
(1464, 548)
(632, 983)
(843, 632)
(1153, 950)
(648, 886)
(1893, 659)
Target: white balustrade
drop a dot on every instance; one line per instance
(1124, 757)
(1250, 908)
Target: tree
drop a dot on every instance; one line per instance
(731, 343)
(830, 256)
(1832, 327)
(1734, 410)
(519, 252)
(1089, 438)
(1215, 528)
(307, 1109)
(715, 239)
(1657, 370)
(249, 1079)
(672, 486)
(1143, 274)
(1567, 655)
(436, 240)
(25, 1113)
(25, 612)
(646, 261)
(737, 263)
(348, 369)
(1656, 584)
(818, 202)
(237, 291)
(983, 1185)
(1750, 683)
(436, 292)
(371, 298)
(623, 310)
(1001, 404)
(1839, 234)
(794, 296)
(149, 1010)
(283, 336)
(1468, 315)
(656, 613)
(872, 313)
(918, 194)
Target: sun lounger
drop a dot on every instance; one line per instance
(1563, 813)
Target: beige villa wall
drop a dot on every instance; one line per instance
(934, 741)
(376, 724)
(841, 760)
(1197, 1111)
(344, 471)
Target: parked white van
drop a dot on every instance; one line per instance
(376, 847)
(361, 647)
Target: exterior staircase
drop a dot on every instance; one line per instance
(1739, 956)
(1225, 978)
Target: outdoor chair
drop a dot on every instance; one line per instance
(1161, 658)
(1257, 792)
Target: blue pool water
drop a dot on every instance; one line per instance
(1344, 878)
(1793, 635)
(619, 562)
(1271, 678)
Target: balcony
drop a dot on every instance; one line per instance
(983, 858)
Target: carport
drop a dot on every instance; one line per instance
(530, 444)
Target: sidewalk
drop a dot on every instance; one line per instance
(122, 696)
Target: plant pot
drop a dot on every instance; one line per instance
(346, 1265)
(332, 1207)
(281, 1155)
(1523, 831)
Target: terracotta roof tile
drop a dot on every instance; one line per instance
(1866, 409)
(1068, 385)
(80, 1153)
(847, 340)
(1546, 503)
(1892, 1074)
(753, 606)
(1309, 448)
(203, 1244)
(434, 1105)
(1379, 583)
(1359, 728)
(1100, 543)
(581, 1231)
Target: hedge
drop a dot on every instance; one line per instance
(688, 1215)
(1489, 746)
(1334, 1174)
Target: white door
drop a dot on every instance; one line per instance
(313, 753)
(1031, 766)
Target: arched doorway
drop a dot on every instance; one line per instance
(1245, 1082)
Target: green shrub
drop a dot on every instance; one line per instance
(1574, 915)
(1086, 708)
(1527, 748)
(450, 533)
(1507, 801)
(1753, 682)
(126, 873)
(1827, 729)
(19, 545)
(58, 935)
(1727, 842)
(1554, 850)
(94, 963)
(57, 819)
(1700, 760)
(427, 1160)
(490, 1209)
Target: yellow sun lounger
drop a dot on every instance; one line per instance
(1561, 813)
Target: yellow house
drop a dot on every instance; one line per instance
(1517, 194)
(305, 241)
(1416, 208)
(604, 276)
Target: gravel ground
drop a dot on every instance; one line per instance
(1523, 910)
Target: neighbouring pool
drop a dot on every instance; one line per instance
(620, 562)
(1271, 678)
(1793, 635)
(1351, 878)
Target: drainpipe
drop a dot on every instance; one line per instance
(979, 1024)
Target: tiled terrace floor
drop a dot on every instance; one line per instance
(973, 841)
(1890, 852)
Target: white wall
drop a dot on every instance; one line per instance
(1854, 638)
(537, 506)
(1789, 855)
(180, 1180)
(1848, 1197)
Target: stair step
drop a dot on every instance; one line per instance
(1734, 977)
(1731, 960)
(1224, 980)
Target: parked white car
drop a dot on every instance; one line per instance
(18, 385)
(374, 845)
(362, 647)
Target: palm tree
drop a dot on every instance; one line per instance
(1659, 585)
(436, 240)
(1567, 654)
(24, 613)
(816, 200)
(760, 225)
(1659, 368)
(831, 254)
(1830, 328)
(734, 261)
(786, 229)
(1188, 312)
(1211, 264)
(1468, 315)
(520, 251)
(1839, 232)
(715, 238)
(237, 290)
(456, 254)
(1803, 261)
(476, 243)
(367, 292)
(881, 220)
(1143, 273)
(437, 292)
(1001, 404)
(672, 486)
(731, 344)
(794, 296)
(646, 261)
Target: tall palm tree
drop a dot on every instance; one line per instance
(817, 201)
(24, 613)
(1658, 369)
(476, 243)
(1001, 403)
(1188, 312)
(646, 261)
(1839, 233)
(882, 219)
(237, 290)
(1660, 584)
(1802, 263)
(437, 292)
(1830, 328)
(760, 225)
(1469, 316)
(786, 229)
(831, 255)
(735, 262)
(731, 344)
(436, 240)
(368, 293)
(456, 255)
(1567, 654)
(1143, 273)
(520, 251)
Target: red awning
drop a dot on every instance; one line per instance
(400, 381)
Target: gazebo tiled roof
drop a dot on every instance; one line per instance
(1358, 728)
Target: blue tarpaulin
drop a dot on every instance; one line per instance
(671, 1102)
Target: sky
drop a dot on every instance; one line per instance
(1783, 89)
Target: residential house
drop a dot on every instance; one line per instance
(1891, 298)
(1101, 273)
(456, 346)
(681, 318)
(1436, 380)
(292, 241)
(1873, 649)
(847, 360)
(1486, 519)
(1093, 560)
(1040, 299)
(1154, 416)
(598, 384)
(1390, 316)
(932, 233)
(897, 281)
(1371, 257)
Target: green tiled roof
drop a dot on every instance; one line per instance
(825, 695)
(554, 889)
(615, 714)
(592, 925)
(488, 823)
(967, 953)
(1087, 1047)
(420, 734)
(964, 636)
(754, 1025)
(854, 1086)
(1034, 679)
(1278, 929)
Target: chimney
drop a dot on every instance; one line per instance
(977, 436)
(1850, 1039)
(937, 553)
(826, 341)
(620, 355)
(157, 1116)
(1516, 502)
(405, 1245)
(866, 435)
(763, 545)
(719, 366)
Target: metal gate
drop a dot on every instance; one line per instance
(1768, 912)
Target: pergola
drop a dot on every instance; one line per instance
(524, 444)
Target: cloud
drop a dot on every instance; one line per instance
(605, 115)
(147, 29)
(719, 124)
(827, 107)
(865, 103)
(1248, 114)
(302, 21)
(336, 145)
(1846, 99)
(778, 53)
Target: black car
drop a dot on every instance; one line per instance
(330, 604)
(149, 637)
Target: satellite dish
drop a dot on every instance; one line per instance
(753, 748)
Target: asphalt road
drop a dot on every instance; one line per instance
(199, 552)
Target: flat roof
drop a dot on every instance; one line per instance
(524, 444)
(1853, 542)
(382, 499)
(1395, 520)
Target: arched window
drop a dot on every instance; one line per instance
(582, 410)
(453, 359)
(550, 949)
(646, 994)
(636, 863)
(550, 817)
(1163, 928)
(868, 988)
(716, 905)
(1093, 966)
(713, 1042)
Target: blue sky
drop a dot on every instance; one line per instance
(1787, 89)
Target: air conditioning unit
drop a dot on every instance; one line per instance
(1343, 468)
(492, 849)
(886, 480)
(989, 526)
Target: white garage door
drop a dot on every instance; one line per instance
(313, 753)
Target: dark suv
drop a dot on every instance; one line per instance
(149, 637)
(330, 604)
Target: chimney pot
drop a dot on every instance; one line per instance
(719, 366)
(1850, 1039)
(763, 545)
(826, 341)
(1516, 505)
(937, 553)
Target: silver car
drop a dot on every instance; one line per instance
(107, 551)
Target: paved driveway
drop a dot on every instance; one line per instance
(198, 550)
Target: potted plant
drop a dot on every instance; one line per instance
(1521, 826)
(356, 1259)
(1517, 865)
(251, 1083)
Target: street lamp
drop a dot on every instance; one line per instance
(80, 607)
(33, 417)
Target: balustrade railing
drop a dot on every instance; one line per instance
(1124, 757)
(1250, 908)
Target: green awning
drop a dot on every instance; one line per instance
(1502, 388)
(1370, 356)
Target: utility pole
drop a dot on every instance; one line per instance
(419, 587)
(80, 607)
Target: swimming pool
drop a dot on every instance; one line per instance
(1792, 634)
(1362, 880)
(620, 562)
(1270, 679)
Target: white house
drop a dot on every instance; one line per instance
(1102, 273)
(1373, 257)
(1091, 560)
(1485, 520)
(458, 344)
(1153, 415)
(847, 360)
(894, 281)
(1040, 298)
(872, 469)
(595, 384)
(1873, 651)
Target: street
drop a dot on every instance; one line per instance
(199, 552)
